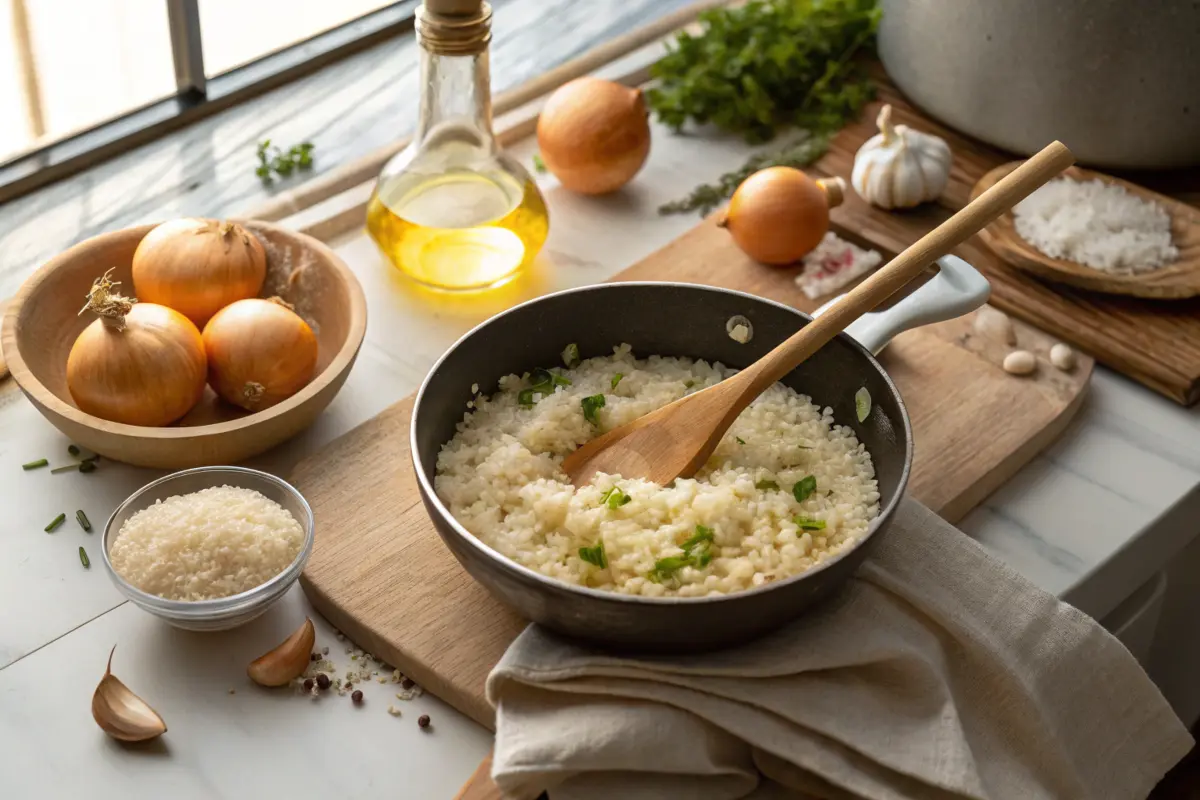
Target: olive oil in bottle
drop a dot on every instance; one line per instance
(452, 211)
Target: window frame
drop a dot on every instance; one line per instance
(196, 95)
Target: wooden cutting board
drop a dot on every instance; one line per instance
(1155, 342)
(380, 573)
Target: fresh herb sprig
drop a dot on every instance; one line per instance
(594, 555)
(273, 161)
(542, 382)
(763, 66)
(804, 488)
(697, 552)
(591, 408)
(614, 498)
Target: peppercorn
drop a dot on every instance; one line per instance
(308, 684)
(423, 722)
(407, 683)
(356, 696)
(323, 681)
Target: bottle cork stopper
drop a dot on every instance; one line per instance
(454, 8)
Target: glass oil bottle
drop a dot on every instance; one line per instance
(452, 211)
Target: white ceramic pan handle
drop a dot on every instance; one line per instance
(957, 289)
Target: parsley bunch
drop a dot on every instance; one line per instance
(282, 163)
(763, 66)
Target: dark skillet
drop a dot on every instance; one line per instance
(666, 319)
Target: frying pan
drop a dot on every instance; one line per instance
(676, 319)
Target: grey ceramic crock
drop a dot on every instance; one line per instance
(673, 319)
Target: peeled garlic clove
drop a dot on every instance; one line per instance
(1062, 357)
(995, 324)
(286, 661)
(1020, 362)
(122, 714)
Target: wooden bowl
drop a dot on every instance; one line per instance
(42, 321)
(1177, 280)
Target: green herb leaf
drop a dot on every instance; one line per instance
(739, 440)
(84, 522)
(538, 164)
(767, 486)
(543, 381)
(702, 535)
(616, 379)
(688, 384)
(41, 462)
(665, 568)
(809, 524)
(614, 498)
(525, 398)
(83, 558)
(696, 553)
(862, 404)
(804, 488)
(594, 555)
(273, 160)
(591, 407)
(570, 355)
(54, 523)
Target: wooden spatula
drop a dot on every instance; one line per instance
(678, 438)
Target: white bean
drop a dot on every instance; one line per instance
(1062, 357)
(1020, 362)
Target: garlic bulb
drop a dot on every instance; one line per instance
(899, 167)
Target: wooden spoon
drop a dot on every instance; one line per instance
(678, 438)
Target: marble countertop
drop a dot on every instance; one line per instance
(1092, 518)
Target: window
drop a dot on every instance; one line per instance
(81, 80)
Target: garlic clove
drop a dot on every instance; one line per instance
(1063, 357)
(286, 661)
(1020, 362)
(994, 324)
(122, 714)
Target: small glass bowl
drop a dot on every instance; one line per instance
(225, 612)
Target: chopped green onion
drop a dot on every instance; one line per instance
(591, 407)
(54, 523)
(41, 462)
(804, 488)
(72, 449)
(767, 486)
(525, 398)
(87, 465)
(739, 440)
(702, 534)
(84, 522)
(616, 379)
(570, 355)
(594, 555)
(664, 568)
(83, 559)
(538, 164)
(67, 468)
(862, 403)
(614, 498)
(809, 524)
(696, 553)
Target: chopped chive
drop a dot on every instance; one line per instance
(616, 379)
(72, 449)
(41, 462)
(67, 468)
(570, 355)
(84, 522)
(591, 407)
(614, 498)
(862, 404)
(809, 524)
(739, 440)
(54, 523)
(88, 465)
(83, 559)
(594, 555)
(538, 164)
(766, 486)
(804, 488)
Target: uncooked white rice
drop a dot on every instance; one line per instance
(212, 543)
(500, 476)
(1097, 224)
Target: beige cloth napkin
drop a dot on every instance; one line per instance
(936, 673)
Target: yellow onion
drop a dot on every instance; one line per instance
(260, 352)
(593, 135)
(198, 266)
(779, 214)
(138, 363)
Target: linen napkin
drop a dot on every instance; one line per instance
(937, 672)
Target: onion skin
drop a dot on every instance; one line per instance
(260, 353)
(594, 135)
(198, 266)
(778, 215)
(151, 373)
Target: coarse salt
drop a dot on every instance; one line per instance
(834, 263)
(1097, 224)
